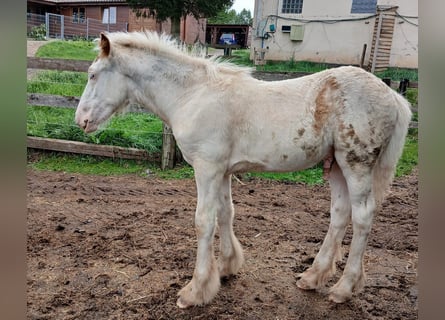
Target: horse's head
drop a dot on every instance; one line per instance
(106, 91)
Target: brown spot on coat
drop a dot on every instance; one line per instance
(351, 131)
(301, 132)
(365, 158)
(310, 151)
(324, 102)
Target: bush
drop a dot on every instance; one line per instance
(38, 32)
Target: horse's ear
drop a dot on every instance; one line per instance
(104, 44)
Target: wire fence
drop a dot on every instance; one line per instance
(58, 26)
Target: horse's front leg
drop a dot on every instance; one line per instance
(231, 254)
(205, 282)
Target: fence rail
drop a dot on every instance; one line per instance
(168, 156)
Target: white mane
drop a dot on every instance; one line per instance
(165, 45)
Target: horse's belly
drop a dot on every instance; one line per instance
(277, 163)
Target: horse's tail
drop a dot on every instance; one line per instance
(386, 164)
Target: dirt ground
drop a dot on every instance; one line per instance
(122, 247)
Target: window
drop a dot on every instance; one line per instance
(78, 15)
(292, 6)
(109, 15)
(364, 6)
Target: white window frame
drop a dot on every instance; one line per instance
(282, 3)
(109, 15)
(77, 17)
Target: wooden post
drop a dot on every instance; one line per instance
(387, 81)
(402, 86)
(362, 60)
(168, 148)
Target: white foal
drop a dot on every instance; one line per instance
(225, 121)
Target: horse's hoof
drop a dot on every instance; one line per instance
(302, 284)
(182, 304)
(338, 298)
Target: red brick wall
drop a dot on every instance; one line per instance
(93, 13)
(139, 23)
(194, 30)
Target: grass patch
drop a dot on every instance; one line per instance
(68, 49)
(64, 83)
(410, 157)
(134, 130)
(312, 176)
(398, 74)
(242, 57)
(85, 164)
(181, 171)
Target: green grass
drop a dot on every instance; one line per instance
(310, 176)
(85, 164)
(242, 57)
(409, 158)
(65, 83)
(135, 130)
(144, 131)
(68, 49)
(398, 74)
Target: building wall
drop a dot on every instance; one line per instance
(194, 30)
(341, 42)
(139, 23)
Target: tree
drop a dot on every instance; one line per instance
(229, 16)
(245, 17)
(224, 16)
(162, 10)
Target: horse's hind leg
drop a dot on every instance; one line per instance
(323, 266)
(205, 282)
(231, 253)
(359, 180)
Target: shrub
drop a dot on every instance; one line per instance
(38, 32)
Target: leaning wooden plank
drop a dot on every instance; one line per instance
(38, 99)
(88, 148)
(58, 64)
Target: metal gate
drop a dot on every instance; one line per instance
(54, 26)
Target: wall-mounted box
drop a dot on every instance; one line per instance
(296, 32)
(285, 28)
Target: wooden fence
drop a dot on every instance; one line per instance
(168, 155)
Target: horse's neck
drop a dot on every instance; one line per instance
(162, 83)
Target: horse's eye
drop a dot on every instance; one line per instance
(92, 76)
